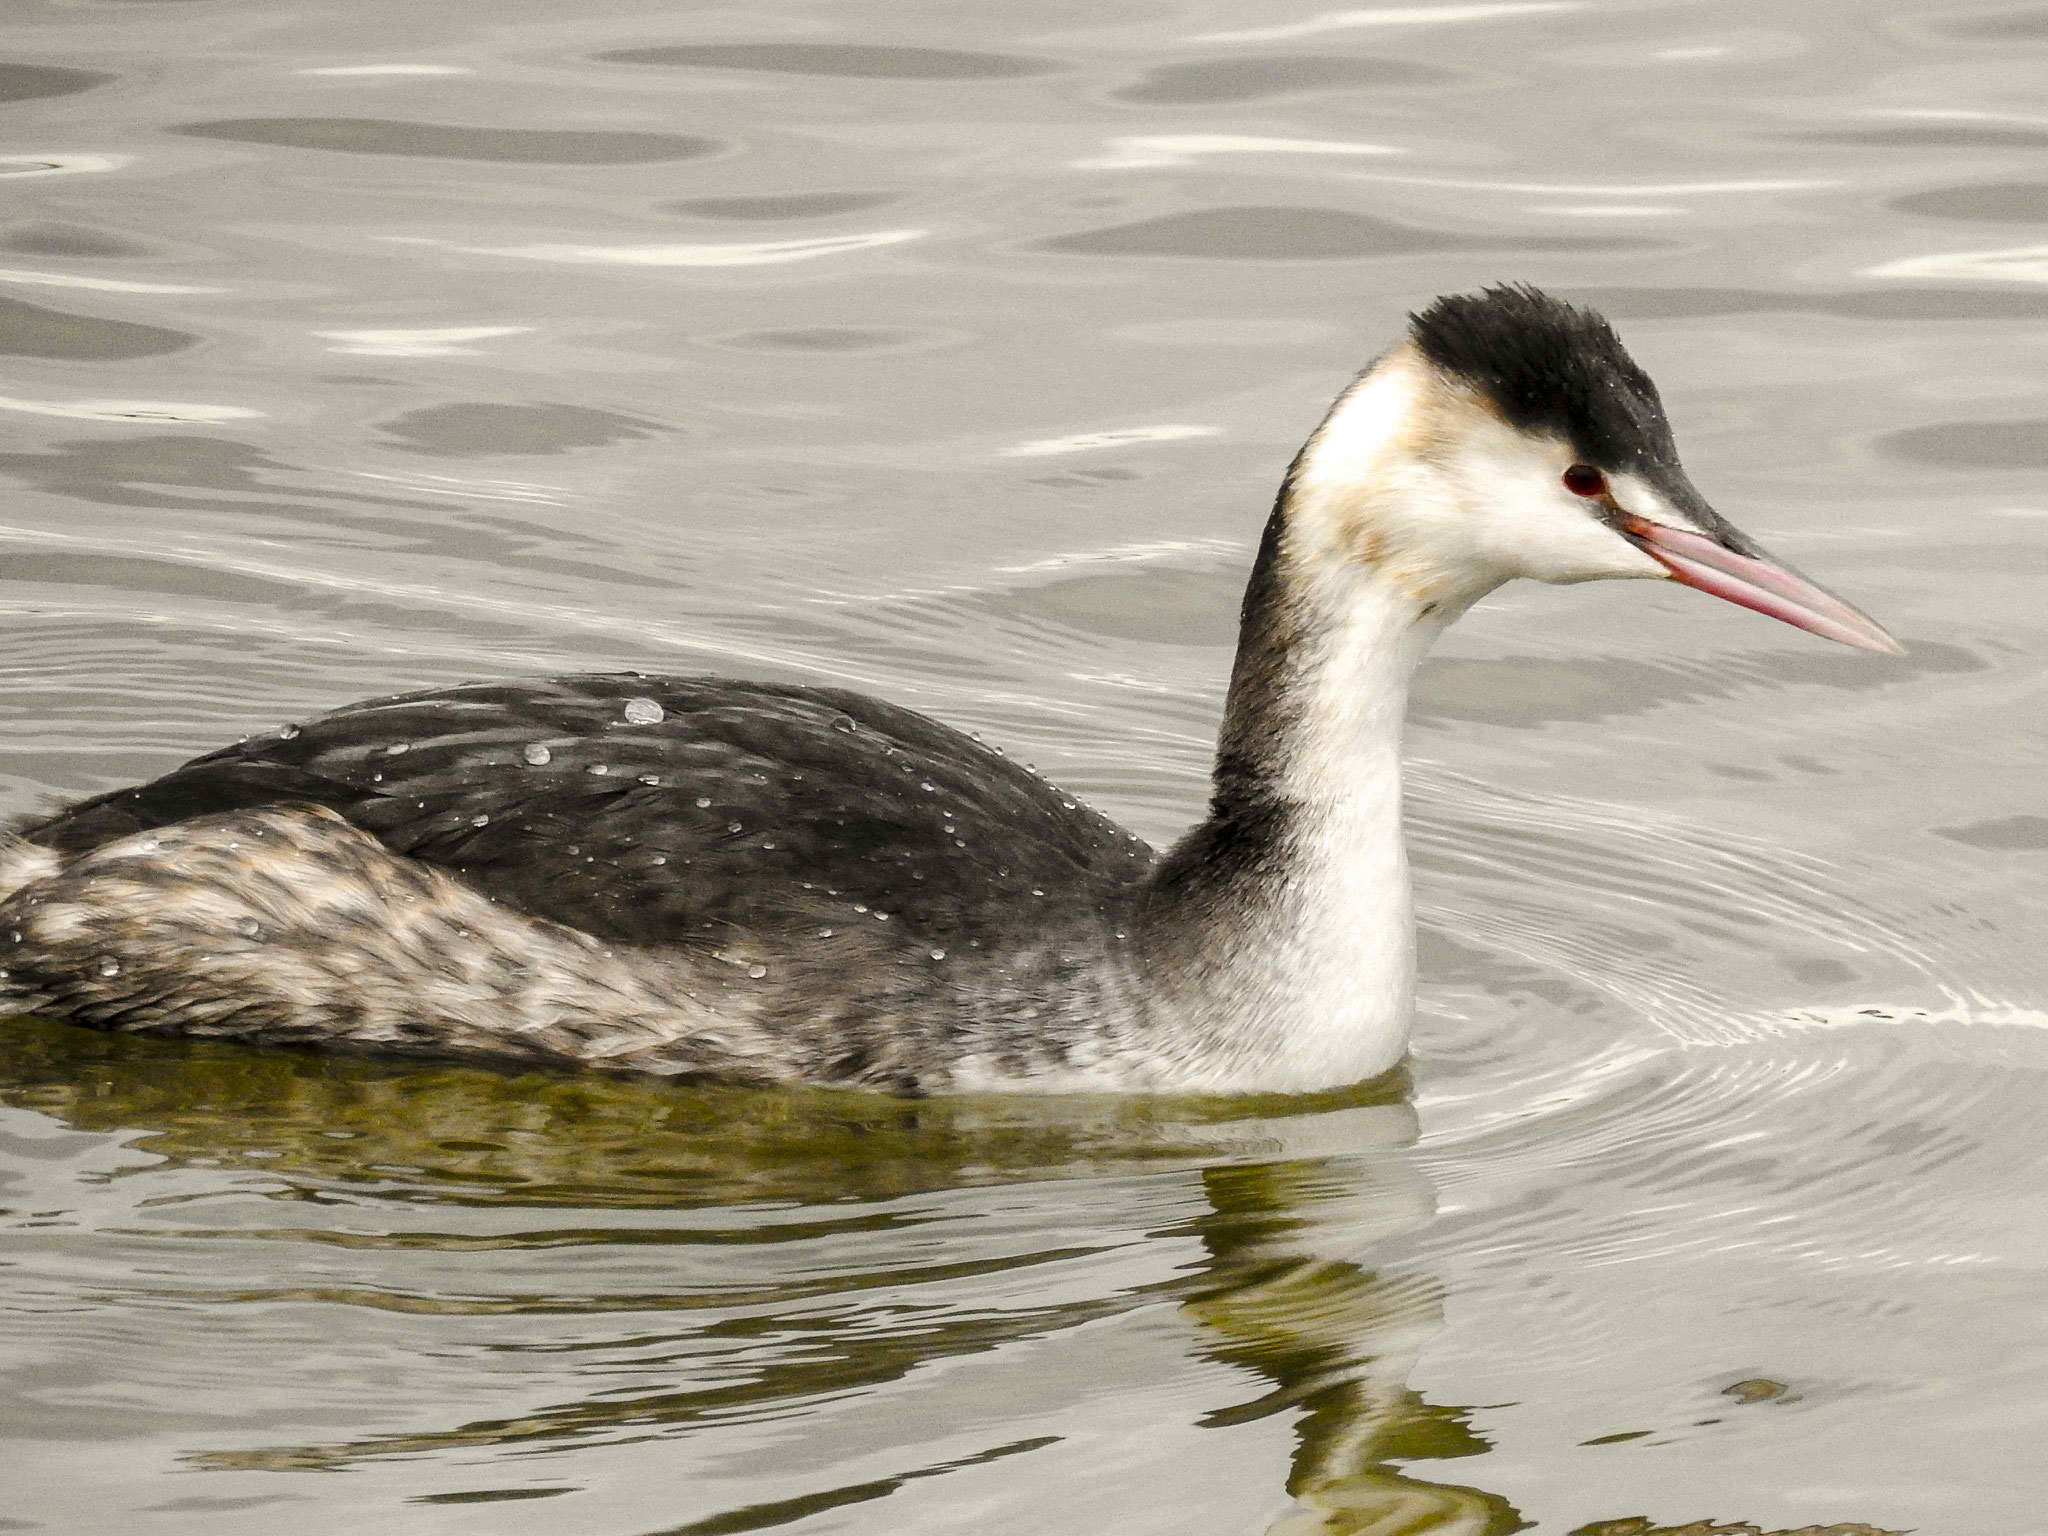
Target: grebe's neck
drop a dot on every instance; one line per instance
(1279, 934)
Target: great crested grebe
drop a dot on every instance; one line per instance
(754, 883)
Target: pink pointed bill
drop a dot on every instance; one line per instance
(1761, 585)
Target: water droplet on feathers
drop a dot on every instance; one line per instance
(537, 754)
(645, 712)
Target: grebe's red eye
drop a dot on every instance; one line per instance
(1585, 480)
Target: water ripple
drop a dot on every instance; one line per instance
(1392, 16)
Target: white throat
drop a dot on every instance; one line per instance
(1321, 969)
(1341, 927)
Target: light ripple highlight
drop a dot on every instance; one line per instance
(444, 341)
(129, 410)
(96, 284)
(1155, 150)
(1084, 442)
(1391, 16)
(761, 253)
(2020, 264)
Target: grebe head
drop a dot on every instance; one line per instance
(1510, 434)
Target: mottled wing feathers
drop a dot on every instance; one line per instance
(659, 810)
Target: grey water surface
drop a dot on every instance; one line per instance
(953, 352)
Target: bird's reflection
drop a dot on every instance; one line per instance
(1290, 1296)
(1296, 1199)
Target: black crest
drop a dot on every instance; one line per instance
(1550, 367)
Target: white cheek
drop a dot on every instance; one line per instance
(1528, 524)
(1571, 544)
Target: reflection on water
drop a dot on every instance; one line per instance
(854, 61)
(1997, 202)
(775, 207)
(1334, 1344)
(461, 431)
(954, 354)
(541, 1140)
(440, 1169)
(29, 330)
(1206, 82)
(53, 239)
(441, 141)
(25, 82)
(1264, 233)
(705, 1262)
